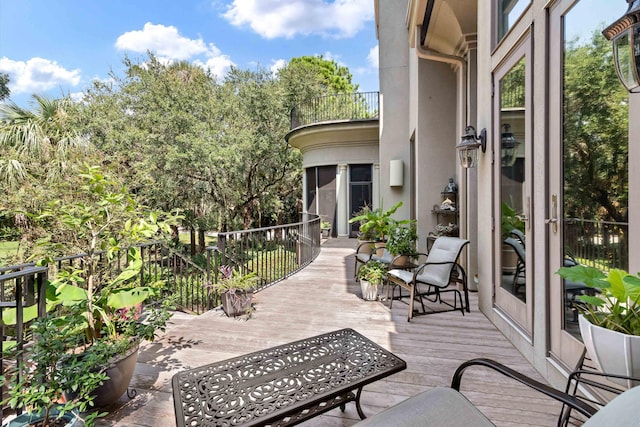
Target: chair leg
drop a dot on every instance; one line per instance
(413, 295)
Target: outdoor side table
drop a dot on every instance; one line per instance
(282, 385)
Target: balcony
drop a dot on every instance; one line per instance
(324, 297)
(338, 107)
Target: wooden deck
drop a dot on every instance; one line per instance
(321, 298)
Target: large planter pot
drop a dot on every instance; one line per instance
(30, 418)
(120, 372)
(613, 352)
(237, 303)
(369, 290)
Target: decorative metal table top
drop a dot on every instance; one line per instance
(282, 385)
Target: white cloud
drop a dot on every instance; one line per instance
(169, 46)
(373, 57)
(277, 64)
(37, 75)
(287, 18)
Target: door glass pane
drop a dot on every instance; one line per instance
(508, 13)
(311, 190)
(512, 180)
(360, 191)
(595, 151)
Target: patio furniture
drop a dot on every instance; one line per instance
(520, 272)
(440, 274)
(447, 407)
(282, 385)
(389, 260)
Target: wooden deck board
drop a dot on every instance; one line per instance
(321, 298)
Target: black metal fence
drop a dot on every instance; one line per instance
(600, 244)
(341, 106)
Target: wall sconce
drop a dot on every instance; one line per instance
(396, 173)
(468, 147)
(625, 37)
(508, 147)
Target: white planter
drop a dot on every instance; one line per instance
(369, 291)
(613, 352)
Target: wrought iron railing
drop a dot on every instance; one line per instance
(600, 244)
(272, 253)
(341, 106)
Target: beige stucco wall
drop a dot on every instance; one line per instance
(353, 142)
(394, 101)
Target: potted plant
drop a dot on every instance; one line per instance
(378, 222)
(511, 220)
(325, 228)
(51, 367)
(610, 322)
(103, 217)
(402, 243)
(371, 276)
(236, 291)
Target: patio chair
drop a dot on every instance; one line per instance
(447, 407)
(440, 274)
(363, 257)
(520, 273)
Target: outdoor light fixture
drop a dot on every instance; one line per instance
(468, 147)
(625, 36)
(508, 147)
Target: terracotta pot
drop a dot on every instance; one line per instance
(613, 352)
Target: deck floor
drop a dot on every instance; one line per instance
(321, 298)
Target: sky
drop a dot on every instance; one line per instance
(58, 47)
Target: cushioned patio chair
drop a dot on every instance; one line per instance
(363, 257)
(439, 274)
(447, 407)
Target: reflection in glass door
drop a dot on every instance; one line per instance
(513, 290)
(360, 183)
(589, 169)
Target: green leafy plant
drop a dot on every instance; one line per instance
(325, 225)
(372, 272)
(511, 220)
(52, 368)
(402, 240)
(617, 307)
(378, 223)
(238, 287)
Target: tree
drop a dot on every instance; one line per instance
(595, 134)
(37, 143)
(4, 86)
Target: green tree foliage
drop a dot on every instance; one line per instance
(595, 133)
(4, 86)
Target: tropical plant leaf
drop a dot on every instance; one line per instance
(127, 298)
(590, 276)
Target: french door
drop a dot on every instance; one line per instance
(513, 180)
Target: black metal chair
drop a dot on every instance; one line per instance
(519, 277)
(447, 407)
(440, 273)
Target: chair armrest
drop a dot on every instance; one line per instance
(551, 392)
(364, 243)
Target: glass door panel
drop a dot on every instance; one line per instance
(589, 168)
(513, 293)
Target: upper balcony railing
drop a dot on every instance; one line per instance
(341, 106)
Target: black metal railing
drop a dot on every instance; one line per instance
(272, 253)
(341, 106)
(600, 244)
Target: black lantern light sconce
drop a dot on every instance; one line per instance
(508, 147)
(625, 37)
(469, 145)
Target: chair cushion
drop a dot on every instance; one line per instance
(440, 406)
(404, 275)
(363, 258)
(386, 257)
(621, 411)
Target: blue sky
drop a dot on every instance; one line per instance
(55, 47)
